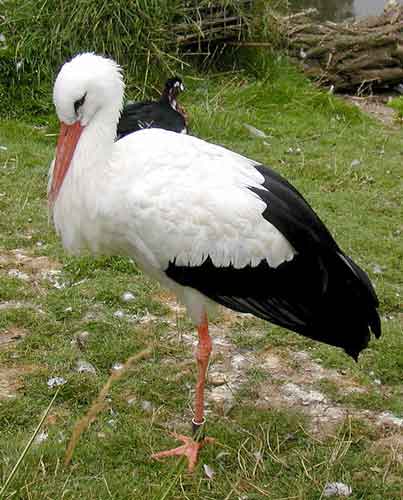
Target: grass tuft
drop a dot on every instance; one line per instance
(99, 402)
(14, 470)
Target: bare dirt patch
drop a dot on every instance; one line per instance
(375, 106)
(17, 304)
(11, 380)
(10, 336)
(291, 381)
(391, 445)
(18, 264)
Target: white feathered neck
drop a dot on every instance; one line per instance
(100, 81)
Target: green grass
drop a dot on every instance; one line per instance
(259, 453)
(397, 105)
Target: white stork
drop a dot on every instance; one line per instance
(206, 222)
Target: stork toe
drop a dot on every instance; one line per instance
(190, 449)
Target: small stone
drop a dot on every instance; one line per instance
(15, 273)
(355, 163)
(239, 361)
(61, 437)
(399, 88)
(306, 397)
(377, 269)
(377, 470)
(208, 471)
(131, 401)
(147, 406)
(3, 148)
(294, 151)
(255, 131)
(53, 275)
(387, 418)
(91, 316)
(81, 339)
(340, 489)
(68, 309)
(119, 314)
(41, 437)
(117, 367)
(128, 296)
(216, 378)
(56, 381)
(83, 366)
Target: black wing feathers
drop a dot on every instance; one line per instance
(139, 115)
(261, 290)
(289, 212)
(321, 293)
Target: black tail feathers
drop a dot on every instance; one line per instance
(348, 312)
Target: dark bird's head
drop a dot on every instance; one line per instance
(173, 87)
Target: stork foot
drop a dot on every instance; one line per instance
(190, 449)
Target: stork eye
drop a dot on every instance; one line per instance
(79, 103)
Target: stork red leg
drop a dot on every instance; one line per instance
(203, 355)
(191, 447)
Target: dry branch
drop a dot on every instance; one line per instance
(211, 21)
(350, 55)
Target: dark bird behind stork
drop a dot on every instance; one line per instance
(208, 223)
(165, 113)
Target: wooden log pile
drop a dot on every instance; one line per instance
(362, 55)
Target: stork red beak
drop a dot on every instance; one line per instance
(66, 145)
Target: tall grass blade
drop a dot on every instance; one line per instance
(27, 447)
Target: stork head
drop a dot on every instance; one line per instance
(85, 87)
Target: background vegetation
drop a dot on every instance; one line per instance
(40, 36)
